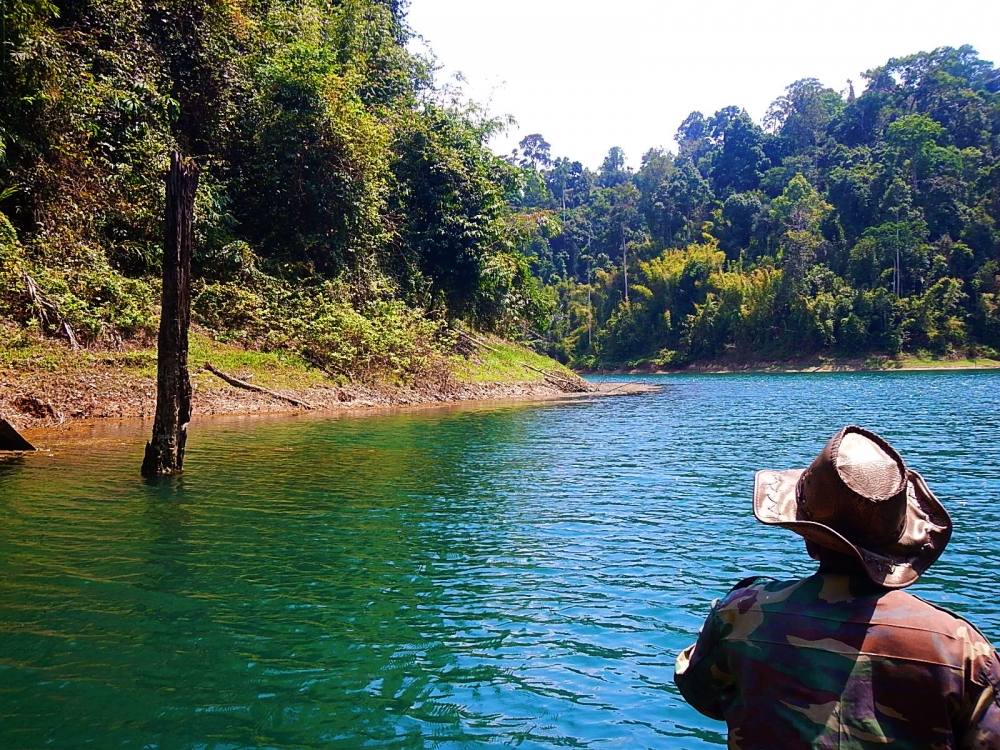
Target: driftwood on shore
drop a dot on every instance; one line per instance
(165, 451)
(11, 439)
(236, 382)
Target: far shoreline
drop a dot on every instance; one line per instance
(70, 388)
(806, 366)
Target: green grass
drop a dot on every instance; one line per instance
(913, 361)
(268, 369)
(24, 352)
(503, 362)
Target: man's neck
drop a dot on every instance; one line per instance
(857, 580)
(841, 568)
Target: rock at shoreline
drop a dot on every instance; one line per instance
(10, 438)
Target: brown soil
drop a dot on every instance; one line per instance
(34, 400)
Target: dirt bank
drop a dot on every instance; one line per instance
(32, 399)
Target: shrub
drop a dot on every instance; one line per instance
(390, 341)
(232, 310)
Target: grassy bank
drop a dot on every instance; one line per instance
(505, 362)
(44, 382)
(918, 362)
(39, 357)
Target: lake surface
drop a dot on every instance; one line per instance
(505, 576)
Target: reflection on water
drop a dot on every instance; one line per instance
(522, 576)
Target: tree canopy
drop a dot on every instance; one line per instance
(346, 197)
(336, 175)
(843, 223)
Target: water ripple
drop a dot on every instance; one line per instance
(453, 579)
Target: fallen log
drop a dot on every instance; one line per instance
(11, 439)
(318, 364)
(564, 384)
(237, 383)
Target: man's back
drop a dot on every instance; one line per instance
(833, 662)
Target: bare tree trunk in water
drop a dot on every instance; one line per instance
(165, 452)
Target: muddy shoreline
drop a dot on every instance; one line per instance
(43, 407)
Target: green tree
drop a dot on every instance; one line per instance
(534, 151)
(801, 117)
(613, 171)
(740, 162)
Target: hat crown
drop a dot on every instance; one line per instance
(857, 486)
(867, 468)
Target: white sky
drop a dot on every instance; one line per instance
(589, 75)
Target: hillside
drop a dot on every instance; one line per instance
(347, 212)
(351, 216)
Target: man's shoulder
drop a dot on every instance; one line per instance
(754, 590)
(920, 612)
(837, 597)
(763, 583)
(749, 581)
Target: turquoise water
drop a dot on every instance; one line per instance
(507, 576)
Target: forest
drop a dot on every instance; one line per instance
(843, 224)
(350, 209)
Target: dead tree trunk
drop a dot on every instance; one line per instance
(165, 452)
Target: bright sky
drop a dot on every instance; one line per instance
(589, 75)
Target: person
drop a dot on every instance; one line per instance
(846, 658)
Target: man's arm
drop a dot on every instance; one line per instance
(983, 729)
(702, 672)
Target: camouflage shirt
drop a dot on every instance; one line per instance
(829, 662)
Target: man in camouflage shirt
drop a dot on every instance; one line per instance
(845, 658)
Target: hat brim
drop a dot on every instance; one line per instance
(925, 533)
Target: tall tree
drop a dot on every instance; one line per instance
(613, 170)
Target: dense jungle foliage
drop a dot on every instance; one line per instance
(844, 224)
(347, 207)
(350, 210)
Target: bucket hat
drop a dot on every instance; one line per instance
(859, 498)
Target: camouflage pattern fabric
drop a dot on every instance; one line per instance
(833, 662)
